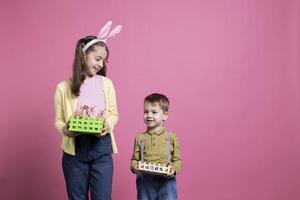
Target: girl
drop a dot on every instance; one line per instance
(87, 162)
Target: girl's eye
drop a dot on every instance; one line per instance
(98, 58)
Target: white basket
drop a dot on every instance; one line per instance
(154, 168)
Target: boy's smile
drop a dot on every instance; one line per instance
(154, 116)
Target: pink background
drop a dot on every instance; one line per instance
(230, 69)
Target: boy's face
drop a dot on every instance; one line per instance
(154, 116)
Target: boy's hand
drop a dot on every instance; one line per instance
(135, 170)
(171, 173)
(68, 133)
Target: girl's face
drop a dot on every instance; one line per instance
(94, 60)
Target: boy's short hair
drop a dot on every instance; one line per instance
(161, 99)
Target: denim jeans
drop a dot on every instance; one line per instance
(91, 169)
(156, 187)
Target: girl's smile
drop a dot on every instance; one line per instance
(97, 68)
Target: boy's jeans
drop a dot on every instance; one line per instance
(155, 187)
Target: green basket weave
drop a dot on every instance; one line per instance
(86, 124)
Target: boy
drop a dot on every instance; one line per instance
(158, 146)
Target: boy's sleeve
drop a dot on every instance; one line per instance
(59, 121)
(136, 153)
(112, 115)
(176, 157)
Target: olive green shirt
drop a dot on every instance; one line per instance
(155, 149)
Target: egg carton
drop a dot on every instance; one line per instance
(87, 125)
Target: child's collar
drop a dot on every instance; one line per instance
(158, 131)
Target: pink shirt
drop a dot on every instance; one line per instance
(92, 95)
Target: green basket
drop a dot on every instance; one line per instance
(86, 124)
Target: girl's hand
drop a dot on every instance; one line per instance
(105, 130)
(68, 133)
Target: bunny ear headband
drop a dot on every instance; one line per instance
(103, 35)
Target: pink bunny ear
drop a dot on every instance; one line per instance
(114, 32)
(103, 35)
(104, 30)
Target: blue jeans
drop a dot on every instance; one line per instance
(90, 169)
(155, 187)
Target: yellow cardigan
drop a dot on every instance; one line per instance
(65, 105)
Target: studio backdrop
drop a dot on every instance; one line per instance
(229, 67)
